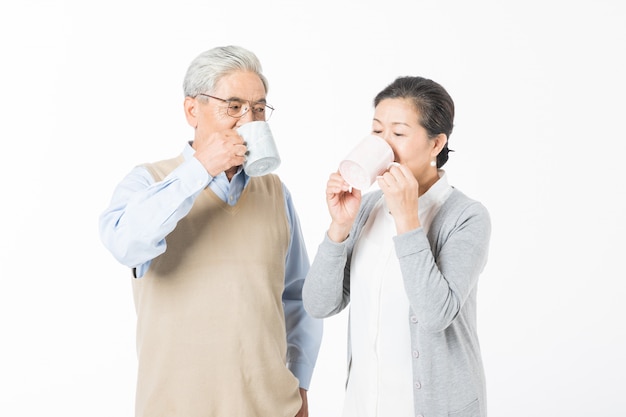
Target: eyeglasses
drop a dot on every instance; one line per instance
(237, 108)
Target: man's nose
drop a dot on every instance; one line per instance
(247, 114)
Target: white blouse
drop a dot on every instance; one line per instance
(380, 382)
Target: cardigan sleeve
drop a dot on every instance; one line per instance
(326, 290)
(440, 271)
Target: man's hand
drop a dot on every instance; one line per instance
(220, 151)
(304, 410)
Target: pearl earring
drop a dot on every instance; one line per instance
(433, 163)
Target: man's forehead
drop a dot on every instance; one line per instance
(243, 85)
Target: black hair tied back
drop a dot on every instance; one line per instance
(442, 158)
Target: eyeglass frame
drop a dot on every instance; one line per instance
(249, 106)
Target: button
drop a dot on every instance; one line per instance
(416, 354)
(413, 319)
(418, 385)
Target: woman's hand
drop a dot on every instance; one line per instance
(343, 206)
(401, 191)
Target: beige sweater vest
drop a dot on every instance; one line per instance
(211, 337)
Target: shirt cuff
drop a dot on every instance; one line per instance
(192, 175)
(303, 372)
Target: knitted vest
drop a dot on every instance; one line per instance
(211, 337)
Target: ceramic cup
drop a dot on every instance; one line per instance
(370, 158)
(262, 156)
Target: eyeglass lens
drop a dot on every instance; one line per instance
(237, 108)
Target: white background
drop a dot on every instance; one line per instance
(90, 89)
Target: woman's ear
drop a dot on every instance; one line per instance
(439, 142)
(191, 108)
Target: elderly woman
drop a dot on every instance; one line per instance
(406, 258)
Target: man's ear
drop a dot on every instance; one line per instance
(191, 109)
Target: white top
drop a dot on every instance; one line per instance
(380, 383)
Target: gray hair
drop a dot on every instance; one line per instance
(210, 66)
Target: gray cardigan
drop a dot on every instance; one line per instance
(440, 273)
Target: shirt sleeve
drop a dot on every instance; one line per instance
(143, 212)
(304, 333)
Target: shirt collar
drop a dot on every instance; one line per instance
(437, 193)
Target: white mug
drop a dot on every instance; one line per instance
(262, 156)
(370, 158)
